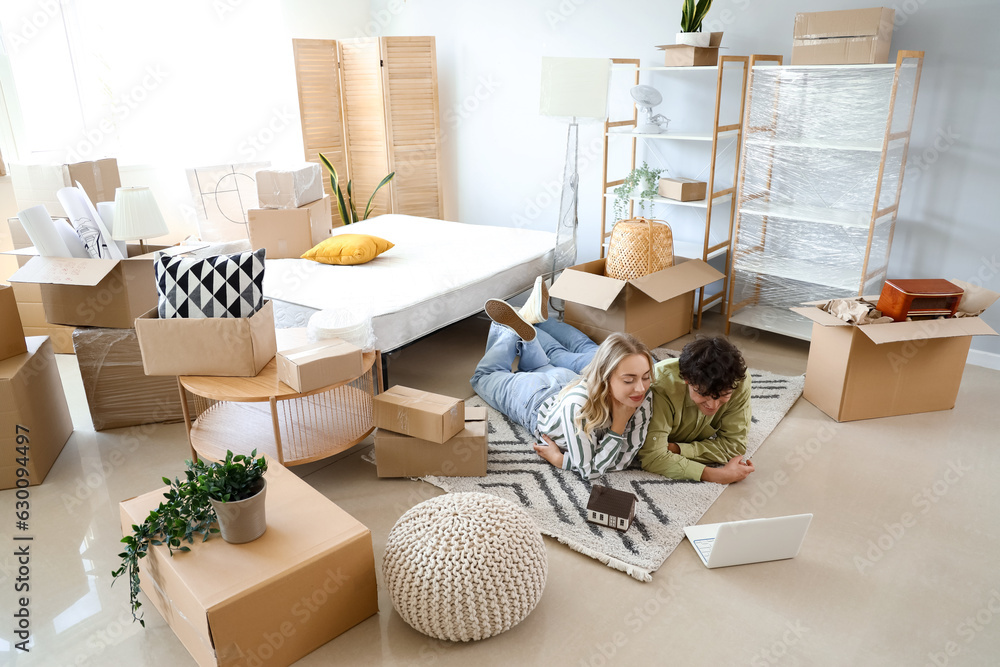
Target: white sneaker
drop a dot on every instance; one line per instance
(536, 308)
(503, 313)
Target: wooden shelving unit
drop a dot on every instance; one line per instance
(618, 131)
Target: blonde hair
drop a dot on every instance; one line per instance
(596, 377)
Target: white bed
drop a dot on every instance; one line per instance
(438, 273)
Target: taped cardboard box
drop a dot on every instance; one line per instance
(682, 55)
(319, 364)
(220, 346)
(118, 392)
(420, 414)
(850, 37)
(93, 292)
(682, 189)
(463, 455)
(11, 332)
(33, 413)
(36, 184)
(881, 370)
(287, 233)
(656, 308)
(309, 578)
(289, 188)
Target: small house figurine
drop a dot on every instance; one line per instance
(611, 507)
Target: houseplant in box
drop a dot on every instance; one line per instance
(209, 492)
(345, 205)
(642, 182)
(692, 14)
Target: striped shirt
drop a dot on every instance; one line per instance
(602, 450)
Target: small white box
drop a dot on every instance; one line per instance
(290, 188)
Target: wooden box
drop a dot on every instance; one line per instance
(919, 298)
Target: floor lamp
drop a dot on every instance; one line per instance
(574, 88)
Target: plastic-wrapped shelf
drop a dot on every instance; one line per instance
(822, 170)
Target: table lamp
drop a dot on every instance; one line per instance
(137, 216)
(575, 88)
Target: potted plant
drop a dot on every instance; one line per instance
(348, 213)
(692, 14)
(642, 183)
(192, 506)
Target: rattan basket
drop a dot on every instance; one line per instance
(639, 246)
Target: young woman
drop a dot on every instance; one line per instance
(590, 424)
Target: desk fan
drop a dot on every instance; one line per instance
(647, 97)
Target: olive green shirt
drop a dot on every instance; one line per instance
(701, 438)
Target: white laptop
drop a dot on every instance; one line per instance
(751, 541)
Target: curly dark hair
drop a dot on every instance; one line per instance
(713, 366)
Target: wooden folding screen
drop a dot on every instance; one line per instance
(388, 112)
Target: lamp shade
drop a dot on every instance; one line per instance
(136, 215)
(575, 87)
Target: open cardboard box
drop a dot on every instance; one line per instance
(307, 579)
(656, 308)
(219, 346)
(849, 37)
(879, 370)
(682, 55)
(92, 292)
(463, 455)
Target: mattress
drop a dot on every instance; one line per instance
(437, 273)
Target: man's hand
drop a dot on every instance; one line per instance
(734, 471)
(550, 451)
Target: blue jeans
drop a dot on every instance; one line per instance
(547, 364)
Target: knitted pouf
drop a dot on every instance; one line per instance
(465, 566)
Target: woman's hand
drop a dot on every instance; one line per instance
(550, 451)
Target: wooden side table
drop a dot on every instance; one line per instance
(246, 413)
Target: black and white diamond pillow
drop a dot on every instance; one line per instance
(220, 286)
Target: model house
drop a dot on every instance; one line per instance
(611, 507)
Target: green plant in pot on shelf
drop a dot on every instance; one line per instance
(211, 492)
(692, 14)
(642, 183)
(345, 204)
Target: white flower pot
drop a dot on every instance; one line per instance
(694, 38)
(242, 521)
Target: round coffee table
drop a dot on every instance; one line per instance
(246, 413)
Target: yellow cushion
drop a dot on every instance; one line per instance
(348, 249)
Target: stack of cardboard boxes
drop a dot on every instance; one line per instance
(420, 433)
(294, 214)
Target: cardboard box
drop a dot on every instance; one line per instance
(287, 233)
(682, 55)
(220, 346)
(656, 308)
(309, 578)
(319, 364)
(11, 332)
(881, 370)
(290, 188)
(93, 292)
(36, 184)
(420, 414)
(464, 455)
(682, 189)
(33, 408)
(118, 392)
(855, 36)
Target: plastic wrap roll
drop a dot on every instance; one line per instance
(348, 324)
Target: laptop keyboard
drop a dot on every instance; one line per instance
(704, 547)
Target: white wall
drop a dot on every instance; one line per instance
(500, 154)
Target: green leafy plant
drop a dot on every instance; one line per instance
(186, 511)
(693, 13)
(345, 205)
(630, 188)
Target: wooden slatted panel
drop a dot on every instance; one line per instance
(318, 77)
(364, 119)
(409, 75)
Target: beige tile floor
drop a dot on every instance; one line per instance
(865, 590)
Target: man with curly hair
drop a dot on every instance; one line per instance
(701, 414)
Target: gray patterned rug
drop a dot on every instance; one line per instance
(557, 499)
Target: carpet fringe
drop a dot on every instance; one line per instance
(633, 571)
